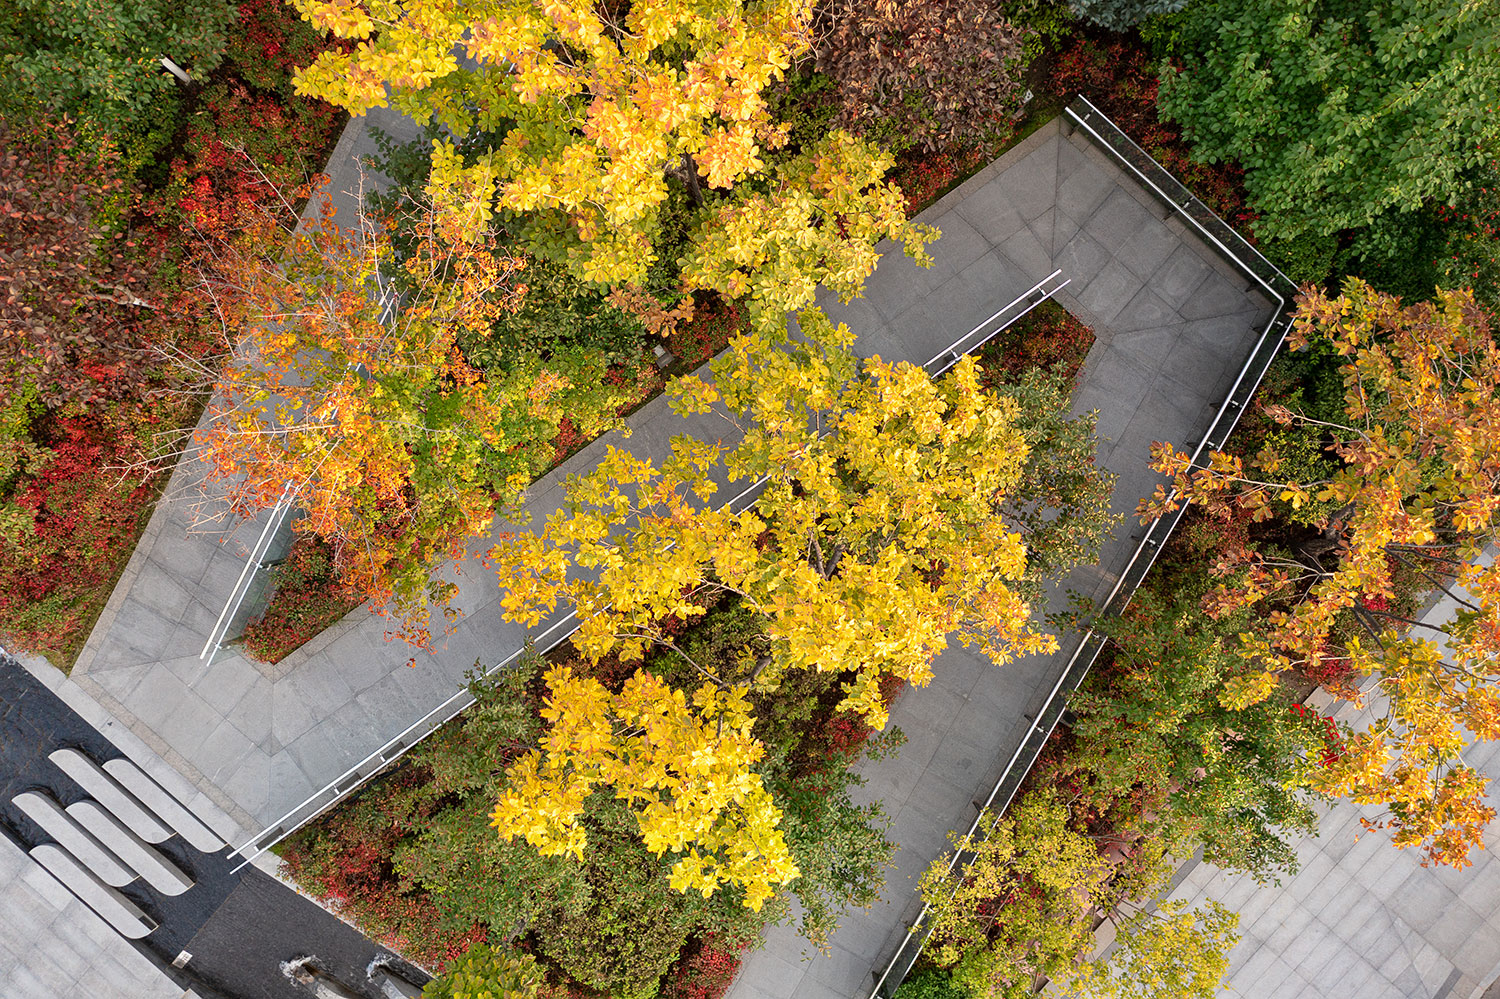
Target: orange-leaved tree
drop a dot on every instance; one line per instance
(358, 401)
(590, 108)
(1415, 490)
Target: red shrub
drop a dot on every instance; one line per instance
(1047, 337)
(308, 599)
(81, 513)
(705, 972)
(924, 177)
(714, 322)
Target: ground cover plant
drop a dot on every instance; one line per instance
(108, 171)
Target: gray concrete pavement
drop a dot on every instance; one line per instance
(1173, 325)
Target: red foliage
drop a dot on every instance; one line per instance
(72, 303)
(1119, 77)
(1333, 743)
(714, 322)
(1047, 337)
(347, 864)
(925, 177)
(704, 972)
(83, 516)
(308, 598)
(243, 152)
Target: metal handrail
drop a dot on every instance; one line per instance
(254, 562)
(1094, 122)
(352, 779)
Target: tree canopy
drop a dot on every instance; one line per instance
(360, 400)
(1338, 109)
(591, 110)
(1416, 489)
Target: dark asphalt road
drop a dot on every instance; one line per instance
(238, 927)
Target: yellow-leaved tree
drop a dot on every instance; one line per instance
(685, 769)
(590, 107)
(877, 531)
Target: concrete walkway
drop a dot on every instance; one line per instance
(1173, 326)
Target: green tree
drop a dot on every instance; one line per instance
(1160, 746)
(1338, 109)
(1122, 15)
(1020, 912)
(100, 60)
(485, 972)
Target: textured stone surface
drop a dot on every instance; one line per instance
(1361, 918)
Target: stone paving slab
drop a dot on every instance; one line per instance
(1051, 202)
(52, 946)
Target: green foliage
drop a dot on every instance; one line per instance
(1397, 253)
(634, 924)
(560, 319)
(807, 105)
(1471, 252)
(1355, 108)
(1121, 15)
(1050, 22)
(98, 60)
(1306, 258)
(484, 972)
(930, 983)
(19, 453)
(1158, 749)
(1061, 503)
(1018, 913)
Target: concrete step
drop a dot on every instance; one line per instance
(155, 869)
(114, 908)
(71, 836)
(106, 790)
(166, 807)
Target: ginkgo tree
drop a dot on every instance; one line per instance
(358, 404)
(1416, 490)
(592, 107)
(686, 769)
(877, 531)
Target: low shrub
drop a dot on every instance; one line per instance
(1048, 337)
(308, 599)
